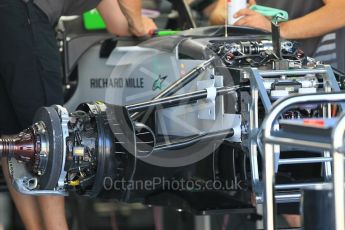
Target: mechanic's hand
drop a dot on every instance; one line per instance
(143, 28)
(149, 25)
(253, 19)
(218, 15)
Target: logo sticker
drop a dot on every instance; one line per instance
(157, 84)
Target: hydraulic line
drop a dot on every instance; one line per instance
(177, 100)
(179, 84)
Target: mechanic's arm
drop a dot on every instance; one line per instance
(113, 17)
(123, 23)
(138, 26)
(218, 16)
(328, 18)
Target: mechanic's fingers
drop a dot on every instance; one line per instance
(149, 24)
(241, 22)
(244, 12)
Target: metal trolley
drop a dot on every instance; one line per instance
(274, 137)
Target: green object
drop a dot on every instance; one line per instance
(277, 14)
(165, 32)
(93, 20)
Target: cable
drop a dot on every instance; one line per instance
(226, 18)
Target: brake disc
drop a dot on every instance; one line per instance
(52, 121)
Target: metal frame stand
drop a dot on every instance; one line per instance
(202, 223)
(258, 91)
(334, 145)
(338, 136)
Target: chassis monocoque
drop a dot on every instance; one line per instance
(185, 132)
